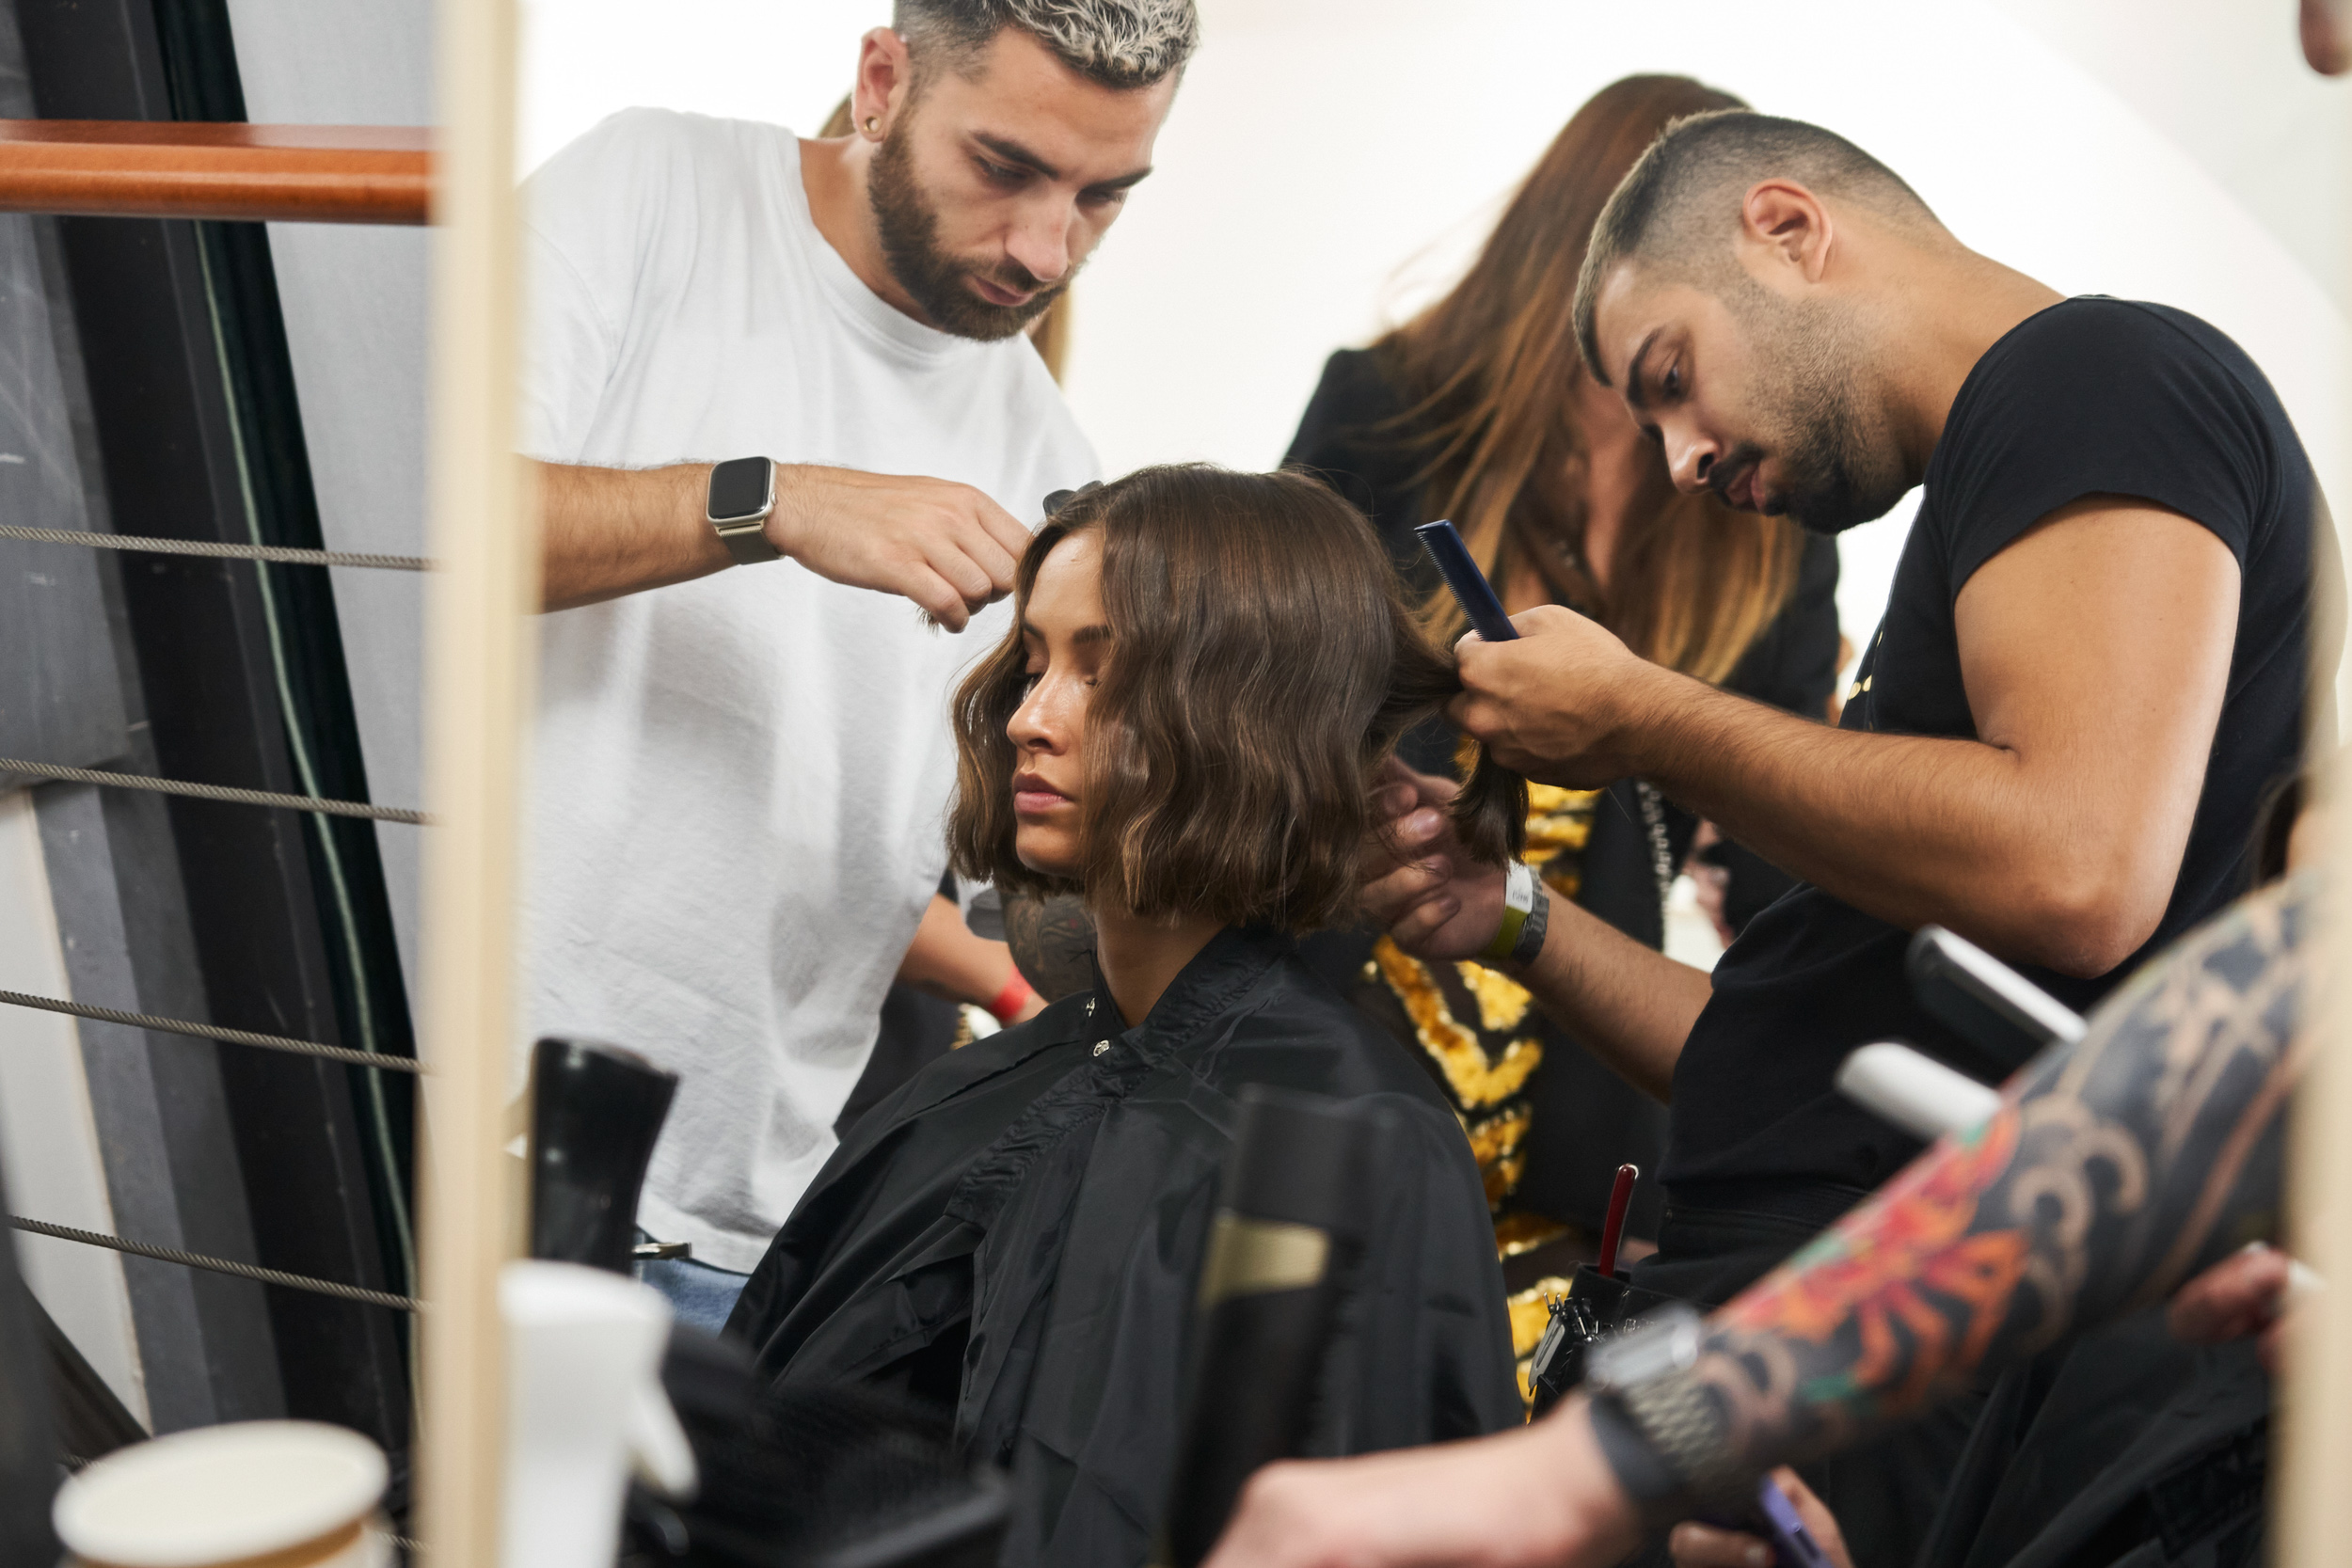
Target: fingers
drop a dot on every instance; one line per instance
(967, 577)
(1696, 1545)
(1546, 618)
(1003, 529)
(1434, 790)
(962, 548)
(1390, 802)
(1388, 898)
(1419, 930)
(1817, 1516)
(1478, 716)
(1404, 830)
(945, 546)
(1421, 827)
(961, 551)
(2240, 1295)
(981, 540)
(939, 598)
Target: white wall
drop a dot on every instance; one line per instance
(1330, 163)
(47, 1132)
(354, 299)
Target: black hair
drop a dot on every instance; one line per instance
(1678, 205)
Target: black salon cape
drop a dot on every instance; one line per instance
(1052, 1203)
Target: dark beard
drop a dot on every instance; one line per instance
(932, 278)
(1836, 476)
(1834, 484)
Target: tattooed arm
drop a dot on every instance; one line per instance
(2112, 1172)
(1052, 942)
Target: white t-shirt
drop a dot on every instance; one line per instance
(739, 781)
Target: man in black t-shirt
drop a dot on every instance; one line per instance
(2091, 666)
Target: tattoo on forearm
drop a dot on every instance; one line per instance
(1052, 942)
(2110, 1175)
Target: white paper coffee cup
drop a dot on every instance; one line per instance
(247, 1495)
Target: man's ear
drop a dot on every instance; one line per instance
(1785, 235)
(885, 82)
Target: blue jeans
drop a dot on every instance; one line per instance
(699, 1294)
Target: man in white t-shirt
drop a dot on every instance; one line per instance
(741, 776)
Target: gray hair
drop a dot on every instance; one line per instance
(1677, 208)
(1119, 43)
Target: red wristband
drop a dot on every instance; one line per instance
(1009, 1001)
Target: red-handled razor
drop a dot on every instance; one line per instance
(1613, 1229)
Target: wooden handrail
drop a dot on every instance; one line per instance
(180, 169)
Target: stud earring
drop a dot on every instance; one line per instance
(872, 122)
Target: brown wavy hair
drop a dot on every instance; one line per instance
(1493, 368)
(1262, 664)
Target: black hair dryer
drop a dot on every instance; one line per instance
(1292, 1212)
(596, 1111)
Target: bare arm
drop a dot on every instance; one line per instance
(1630, 1006)
(949, 960)
(611, 532)
(2113, 1170)
(2095, 651)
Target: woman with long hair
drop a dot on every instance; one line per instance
(1206, 671)
(1479, 409)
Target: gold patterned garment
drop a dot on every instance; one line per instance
(1485, 1038)
(1475, 1023)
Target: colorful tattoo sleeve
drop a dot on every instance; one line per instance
(2112, 1173)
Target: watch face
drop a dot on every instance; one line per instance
(740, 488)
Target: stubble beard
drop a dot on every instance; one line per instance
(1840, 469)
(934, 278)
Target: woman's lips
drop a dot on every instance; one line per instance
(1033, 796)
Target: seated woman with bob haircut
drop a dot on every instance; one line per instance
(1207, 670)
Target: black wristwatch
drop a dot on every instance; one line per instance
(743, 493)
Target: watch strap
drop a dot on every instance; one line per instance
(1526, 913)
(748, 542)
(1669, 1439)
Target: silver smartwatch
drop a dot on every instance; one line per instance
(743, 493)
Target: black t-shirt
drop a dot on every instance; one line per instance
(2092, 396)
(1355, 435)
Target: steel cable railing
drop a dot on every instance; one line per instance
(285, 555)
(219, 1265)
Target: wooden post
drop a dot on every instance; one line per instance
(2312, 1505)
(478, 662)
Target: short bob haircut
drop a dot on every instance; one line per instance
(1262, 665)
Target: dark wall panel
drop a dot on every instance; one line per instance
(198, 437)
